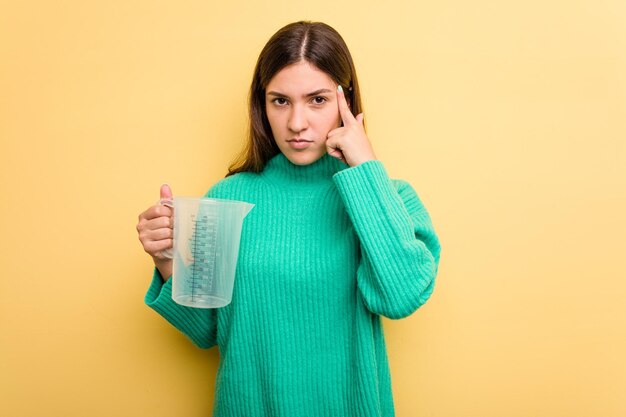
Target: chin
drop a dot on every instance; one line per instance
(302, 158)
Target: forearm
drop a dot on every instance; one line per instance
(199, 324)
(399, 246)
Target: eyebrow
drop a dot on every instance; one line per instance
(314, 93)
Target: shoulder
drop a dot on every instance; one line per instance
(404, 188)
(401, 185)
(233, 185)
(409, 196)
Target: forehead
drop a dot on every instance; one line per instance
(300, 77)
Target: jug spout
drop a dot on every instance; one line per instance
(245, 209)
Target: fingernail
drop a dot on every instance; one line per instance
(340, 88)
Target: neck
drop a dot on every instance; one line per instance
(282, 171)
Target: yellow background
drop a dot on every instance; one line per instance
(508, 118)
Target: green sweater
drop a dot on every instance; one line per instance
(325, 252)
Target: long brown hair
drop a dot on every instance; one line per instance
(313, 42)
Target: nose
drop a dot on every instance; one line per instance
(297, 119)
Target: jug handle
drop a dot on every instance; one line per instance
(167, 253)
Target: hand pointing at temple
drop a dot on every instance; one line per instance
(349, 143)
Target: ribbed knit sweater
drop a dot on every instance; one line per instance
(327, 250)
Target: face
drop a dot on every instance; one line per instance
(301, 106)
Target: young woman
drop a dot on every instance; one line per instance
(332, 245)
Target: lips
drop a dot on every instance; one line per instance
(299, 143)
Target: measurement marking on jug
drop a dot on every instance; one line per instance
(203, 246)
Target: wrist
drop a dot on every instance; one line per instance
(364, 160)
(164, 266)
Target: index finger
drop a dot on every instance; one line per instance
(158, 210)
(344, 110)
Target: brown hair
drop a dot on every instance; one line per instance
(313, 42)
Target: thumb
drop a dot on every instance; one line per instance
(166, 191)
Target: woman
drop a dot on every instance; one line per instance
(331, 245)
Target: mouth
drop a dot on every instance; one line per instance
(299, 143)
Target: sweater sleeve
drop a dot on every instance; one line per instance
(399, 248)
(198, 324)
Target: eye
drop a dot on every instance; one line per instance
(280, 101)
(319, 100)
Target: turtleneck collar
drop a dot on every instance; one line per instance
(281, 171)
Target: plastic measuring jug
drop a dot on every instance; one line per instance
(207, 233)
